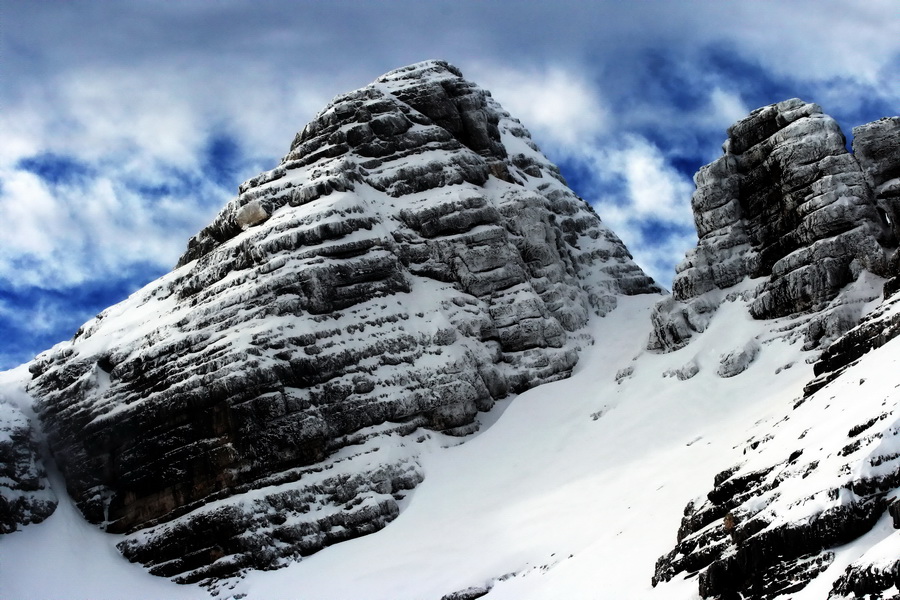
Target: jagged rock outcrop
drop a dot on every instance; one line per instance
(766, 527)
(876, 149)
(413, 258)
(25, 494)
(809, 231)
(788, 205)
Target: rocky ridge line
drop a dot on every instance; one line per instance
(767, 526)
(788, 206)
(413, 258)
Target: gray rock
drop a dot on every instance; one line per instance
(876, 147)
(251, 214)
(25, 494)
(788, 204)
(737, 361)
(685, 371)
(398, 271)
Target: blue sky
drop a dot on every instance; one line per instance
(126, 125)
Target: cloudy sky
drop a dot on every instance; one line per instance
(125, 126)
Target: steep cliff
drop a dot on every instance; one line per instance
(788, 206)
(25, 493)
(413, 258)
(817, 226)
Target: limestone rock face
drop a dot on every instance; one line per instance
(413, 258)
(876, 148)
(806, 234)
(765, 528)
(788, 205)
(25, 494)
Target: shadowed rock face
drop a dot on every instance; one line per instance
(25, 494)
(413, 258)
(788, 204)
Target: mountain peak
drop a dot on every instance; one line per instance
(412, 259)
(421, 70)
(336, 335)
(789, 208)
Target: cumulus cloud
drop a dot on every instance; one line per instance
(560, 106)
(60, 235)
(653, 189)
(725, 107)
(645, 200)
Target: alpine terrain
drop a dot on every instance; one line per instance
(410, 363)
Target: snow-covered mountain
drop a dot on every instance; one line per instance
(410, 363)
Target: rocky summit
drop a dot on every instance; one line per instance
(788, 206)
(326, 357)
(412, 259)
(816, 229)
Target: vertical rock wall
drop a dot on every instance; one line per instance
(788, 205)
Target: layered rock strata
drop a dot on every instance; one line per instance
(413, 258)
(788, 205)
(769, 524)
(809, 231)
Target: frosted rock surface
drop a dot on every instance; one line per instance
(810, 482)
(788, 205)
(25, 494)
(736, 362)
(413, 258)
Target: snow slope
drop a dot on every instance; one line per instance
(574, 490)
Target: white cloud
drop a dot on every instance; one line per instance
(724, 109)
(90, 229)
(137, 90)
(132, 129)
(653, 189)
(645, 200)
(559, 106)
(820, 39)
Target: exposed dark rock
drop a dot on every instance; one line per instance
(398, 270)
(875, 330)
(788, 204)
(25, 494)
(862, 580)
(470, 593)
(760, 534)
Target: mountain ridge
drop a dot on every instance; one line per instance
(416, 248)
(400, 270)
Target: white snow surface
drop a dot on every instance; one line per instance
(572, 489)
